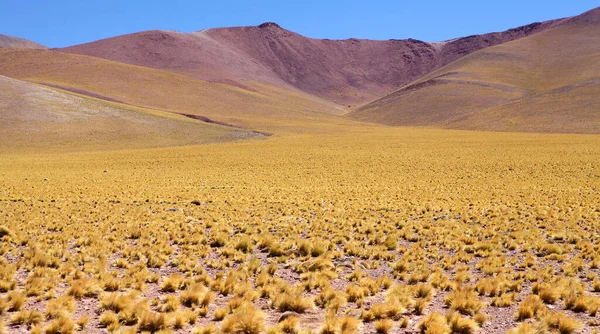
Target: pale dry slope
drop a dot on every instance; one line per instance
(35, 118)
(11, 42)
(270, 108)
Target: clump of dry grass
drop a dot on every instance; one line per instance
(420, 305)
(356, 293)
(56, 307)
(246, 319)
(345, 324)
(152, 322)
(292, 301)
(561, 322)
(404, 322)
(383, 311)
(287, 326)
(220, 314)
(504, 300)
(15, 300)
(169, 303)
(383, 326)
(532, 306)
(461, 325)
(84, 288)
(348, 324)
(116, 302)
(480, 318)
(529, 328)
(82, 322)
(465, 301)
(180, 320)
(172, 283)
(60, 325)
(196, 295)
(434, 323)
(110, 320)
(27, 317)
(329, 299)
(210, 329)
(549, 295)
(244, 244)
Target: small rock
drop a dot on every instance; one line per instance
(171, 209)
(45, 179)
(286, 315)
(196, 202)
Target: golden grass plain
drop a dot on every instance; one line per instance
(387, 230)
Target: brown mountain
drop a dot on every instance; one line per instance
(266, 78)
(261, 107)
(10, 42)
(547, 82)
(346, 71)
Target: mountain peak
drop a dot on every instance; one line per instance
(11, 42)
(269, 25)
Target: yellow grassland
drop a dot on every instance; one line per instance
(437, 230)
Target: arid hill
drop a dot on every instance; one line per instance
(10, 42)
(547, 82)
(540, 77)
(262, 107)
(33, 117)
(344, 71)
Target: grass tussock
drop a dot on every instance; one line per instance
(384, 326)
(26, 317)
(293, 301)
(434, 323)
(465, 301)
(246, 319)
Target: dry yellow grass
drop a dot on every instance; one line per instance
(398, 216)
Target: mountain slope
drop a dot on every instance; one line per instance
(10, 42)
(264, 107)
(38, 118)
(343, 71)
(547, 82)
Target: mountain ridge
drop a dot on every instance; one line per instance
(348, 72)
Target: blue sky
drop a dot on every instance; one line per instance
(69, 22)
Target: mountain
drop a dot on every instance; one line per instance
(33, 117)
(541, 77)
(546, 82)
(261, 107)
(346, 72)
(10, 42)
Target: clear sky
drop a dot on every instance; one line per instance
(69, 22)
